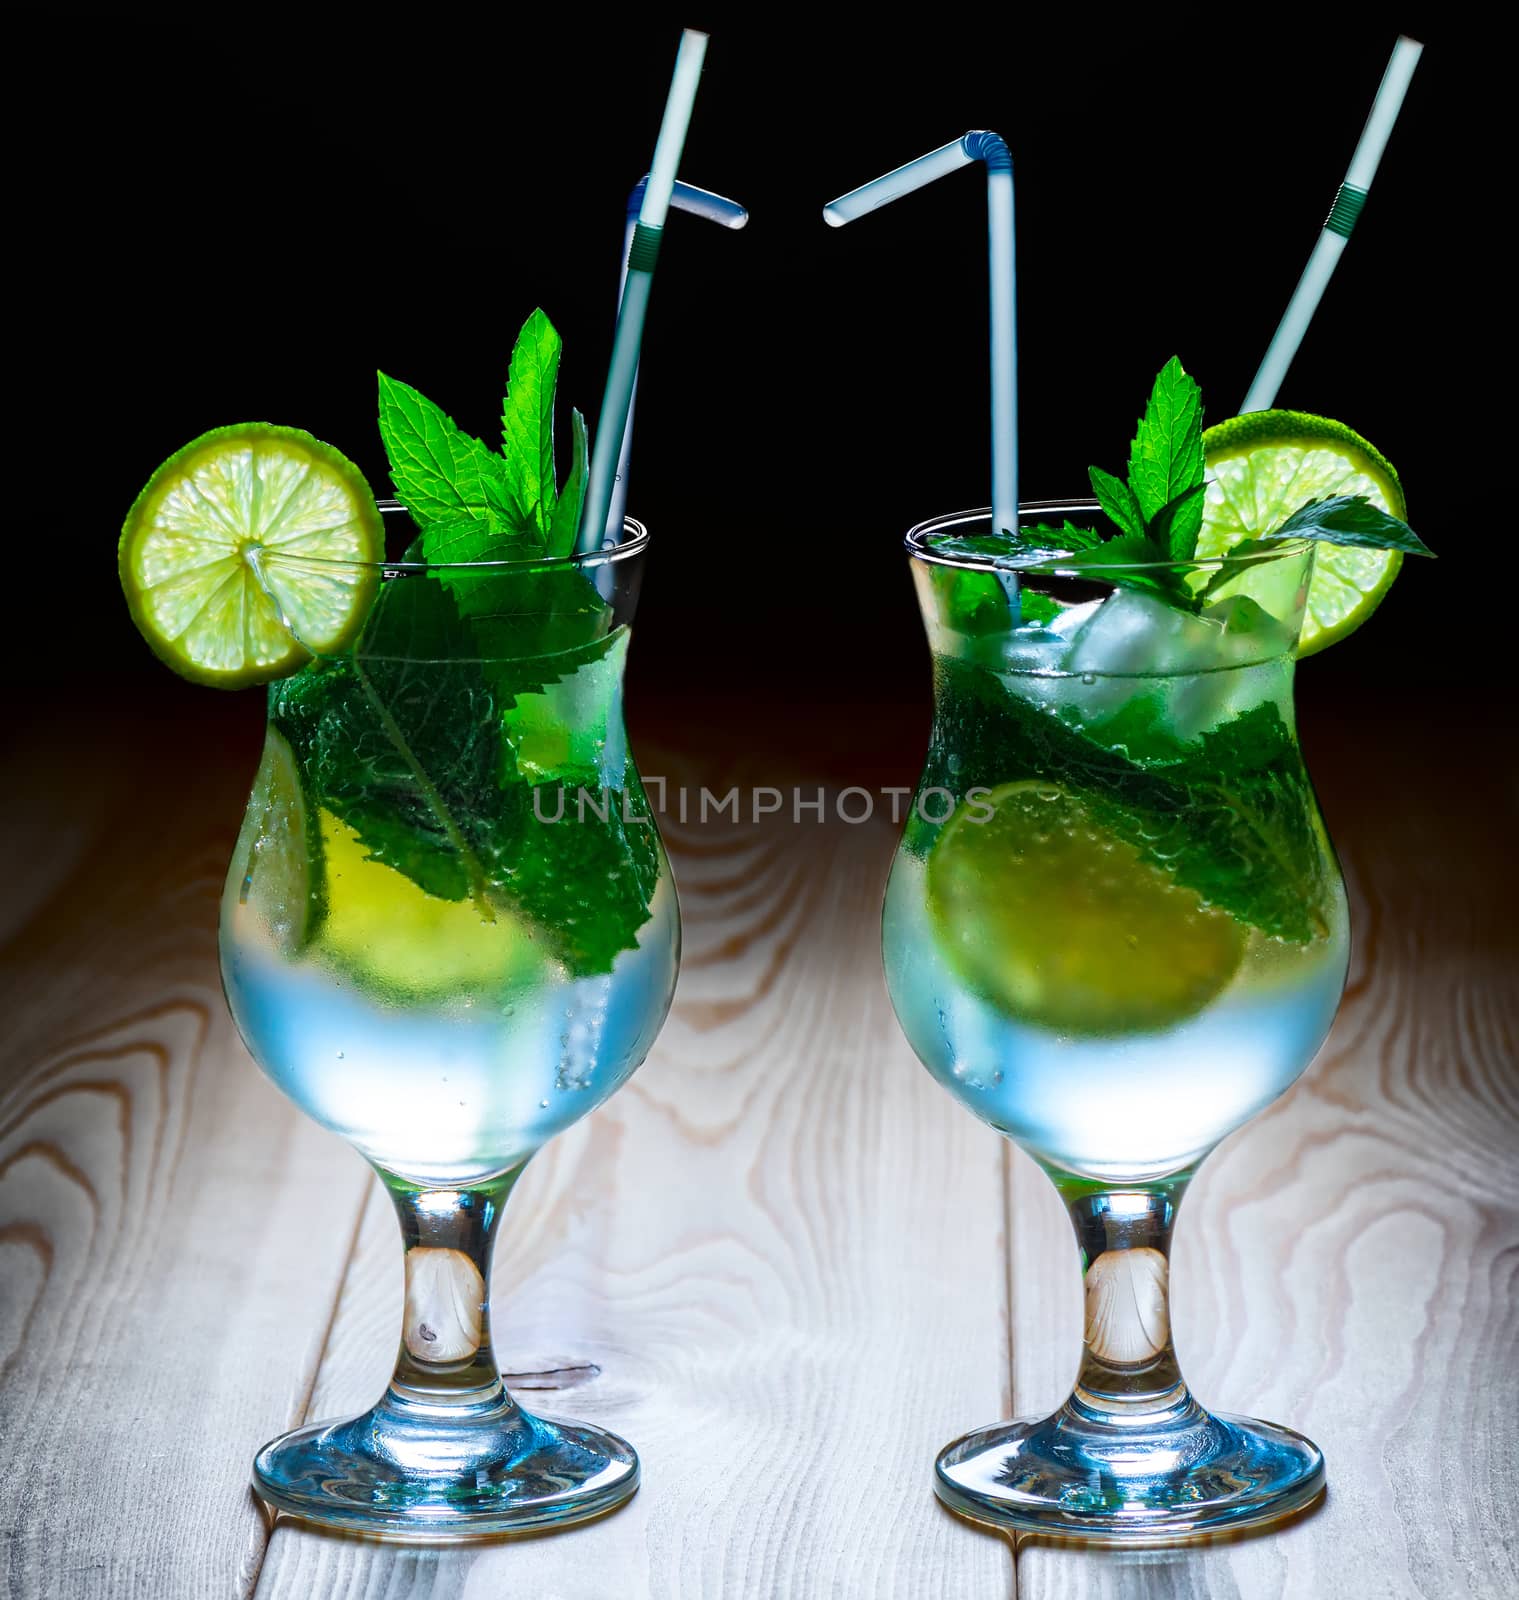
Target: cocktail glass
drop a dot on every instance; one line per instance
(1115, 930)
(449, 931)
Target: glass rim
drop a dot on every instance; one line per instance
(1049, 564)
(634, 544)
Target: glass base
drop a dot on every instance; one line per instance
(429, 1473)
(1074, 1476)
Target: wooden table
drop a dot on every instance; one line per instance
(781, 1260)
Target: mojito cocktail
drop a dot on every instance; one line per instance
(449, 928)
(1115, 929)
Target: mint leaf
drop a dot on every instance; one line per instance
(1121, 547)
(970, 602)
(1135, 561)
(993, 546)
(437, 470)
(587, 879)
(1067, 537)
(1175, 527)
(1036, 607)
(976, 603)
(457, 537)
(516, 611)
(527, 610)
(1166, 456)
(404, 742)
(414, 618)
(1234, 562)
(1231, 815)
(1352, 519)
(571, 502)
(384, 747)
(527, 420)
(1117, 499)
(413, 741)
(1251, 845)
(1139, 729)
(1340, 519)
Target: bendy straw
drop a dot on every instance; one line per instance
(635, 294)
(987, 147)
(700, 203)
(1348, 200)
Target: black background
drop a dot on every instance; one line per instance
(242, 218)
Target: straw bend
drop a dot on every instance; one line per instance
(696, 202)
(991, 150)
(640, 250)
(984, 145)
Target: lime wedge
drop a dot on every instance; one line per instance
(227, 555)
(277, 864)
(399, 941)
(1262, 467)
(1058, 923)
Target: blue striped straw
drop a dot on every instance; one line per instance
(1348, 200)
(987, 147)
(623, 368)
(700, 203)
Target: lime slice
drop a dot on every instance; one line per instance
(277, 864)
(405, 944)
(1262, 467)
(1060, 924)
(225, 554)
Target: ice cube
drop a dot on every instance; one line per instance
(1041, 648)
(1072, 619)
(1032, 650)
(1132, 633)
(1251, 633)
(1205, 667)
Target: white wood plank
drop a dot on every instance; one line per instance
(1346, 1263)
(165, 1292)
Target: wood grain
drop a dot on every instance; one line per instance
(171, 1231)
(780, 1243)
(781, 1260)
(1347, 1262)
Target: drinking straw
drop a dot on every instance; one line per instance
(700, 203)
(1348, 200)
(635, 294)
(978, 145)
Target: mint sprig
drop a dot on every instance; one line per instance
(470, 503)
(527, 421)
(1158, 510)
(1351, 519)
(1118, 500)
(416, 740)
(1231, 816)
(1166, 462)
(441, 473)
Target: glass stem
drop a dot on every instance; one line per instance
(1129, 1373)
(446, 1363)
